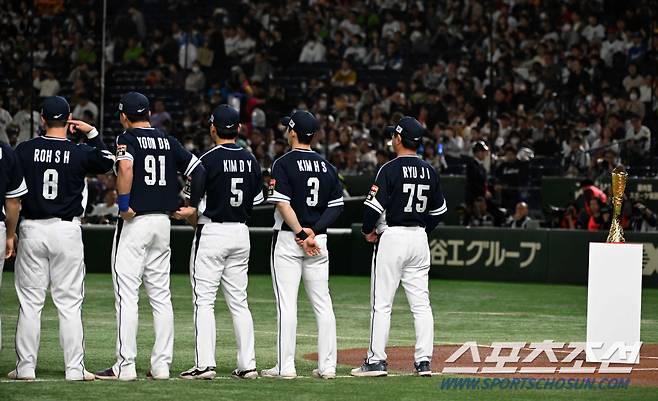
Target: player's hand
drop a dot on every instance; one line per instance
(308, 232)
(128, 214)
(10, 247)
(80, 126)
(184, 213)
(311, 247)
(372, 237)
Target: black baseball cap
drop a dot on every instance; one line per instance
(134, 104)
(225, 118)
(408, 128)
(55, 108)
(302, 122)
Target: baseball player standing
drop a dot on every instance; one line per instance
(147, 164)
(308, 197)
(220, 250)
(12, 187)
(50, 253)
(404, 204)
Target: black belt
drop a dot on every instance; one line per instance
(225, 221)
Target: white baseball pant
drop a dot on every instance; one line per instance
(220, 255)
(3, 240)
(289, 265)
(50, 254)
(402, 254)
(141, 253)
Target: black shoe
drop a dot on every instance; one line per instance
(374, 369)
(423, 368)
(202, 374)
(245, 374)
(107, 374)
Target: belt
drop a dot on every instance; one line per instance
(225, 221)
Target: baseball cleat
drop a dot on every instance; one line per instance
(108, 374)
(274, 372)
(245, 374)
(86, 376)
(199, 374)
(325, 375)
(13, 375)
(375, 369)
(423, 368)
(150, 376)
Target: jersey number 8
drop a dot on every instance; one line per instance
(50, 179)
(411, 189)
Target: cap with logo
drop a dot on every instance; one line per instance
(134, 104)
(408, 128)
(302, 122)
(225, 118)
(480, 146)
(55, 108)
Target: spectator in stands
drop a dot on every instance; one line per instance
(512, 177)
(476, 174)
(520, 218)
(46, 83)
(133, 51)
(5, 120)
(639, 136)
(195, 80)
(345, 76)
(642, 219)
(356, 51)
(106, 212)
(313, 51)
(263, 69)
(160, 115)
(576, 161)
(594, 218)
(84, 104)
(244, 46)
(28, 125)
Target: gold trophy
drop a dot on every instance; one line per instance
(619, 177)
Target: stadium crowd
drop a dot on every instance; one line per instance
(560, 88)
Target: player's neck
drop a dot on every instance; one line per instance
(56, 132)
(301, 146)
(140, 124)
(223, 141)
(406, 152)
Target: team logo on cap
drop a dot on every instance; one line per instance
(120, 106)
(212, 118)
(141, 110)
(291, 123)
(398, 129)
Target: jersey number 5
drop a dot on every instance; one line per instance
(236, 200)
(151, 173)
(411, 189)
(50, 179)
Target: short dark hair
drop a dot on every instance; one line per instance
(227, 133)
(409, 144)
(136, 118)
(56, 123)
(305, 139)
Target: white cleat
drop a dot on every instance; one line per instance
(199, 374)
(245, 374)
(86, 377)
(325, 375)
(14, 376)
(274, 373)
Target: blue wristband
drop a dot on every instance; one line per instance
(124, 202)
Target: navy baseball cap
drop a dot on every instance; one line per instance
(225, 117)
(302, 122)
(55, 108)
(134, 103)
(408, 128)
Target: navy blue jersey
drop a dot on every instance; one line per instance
(308, 182)
(55, 170)
(407, 189)
(12, 184)
(157, 159)
(233, 184)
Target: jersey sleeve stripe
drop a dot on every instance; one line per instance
(440, 210)
(276, 194)
(374, 207)
(20, 191)
(258, 199)
(335, 204)
(374, 202)
(190, 167)
(127, 156)
(273, 199)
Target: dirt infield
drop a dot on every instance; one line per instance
(400, 359)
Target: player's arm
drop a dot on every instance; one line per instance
(192, 168)
(438, 206)
(99, 159)
(124, 171)
(258, 185)
(15, 189)
(375, 205)
(334, 209)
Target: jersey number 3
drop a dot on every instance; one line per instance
(314, 184)
(151, 170)
(411, 190)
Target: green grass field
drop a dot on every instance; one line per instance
(463, 311)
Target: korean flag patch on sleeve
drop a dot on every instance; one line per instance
(270, 190)
(121, 150)
(373, 192)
